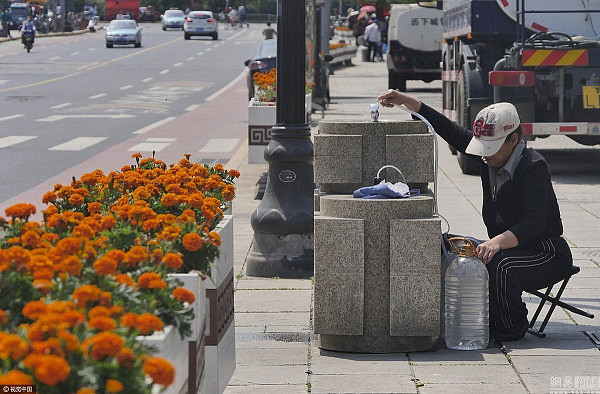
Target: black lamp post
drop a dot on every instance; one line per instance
(283, 222)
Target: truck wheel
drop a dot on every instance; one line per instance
(401, 84)
(468, 164)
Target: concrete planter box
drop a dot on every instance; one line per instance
(343, 54)
(205, 361)
(219, 347)
(172, 347)
(261, 118)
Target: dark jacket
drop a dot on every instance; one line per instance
(525, 205)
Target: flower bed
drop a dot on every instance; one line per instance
(78, 289)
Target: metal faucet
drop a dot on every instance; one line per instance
(375, 112)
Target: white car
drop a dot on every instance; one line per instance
(200, 23)
(173, 19)
(123, 32)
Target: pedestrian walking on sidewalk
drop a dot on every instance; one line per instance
(269, 32)
(373, 38)
(520, 210)
(4, 18)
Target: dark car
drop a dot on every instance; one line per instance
(263, 61)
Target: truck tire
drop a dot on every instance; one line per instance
(468, 164)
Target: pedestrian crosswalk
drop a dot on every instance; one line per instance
(213, 145)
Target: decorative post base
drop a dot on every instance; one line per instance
(281, 255)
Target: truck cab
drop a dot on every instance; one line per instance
(415, 41)
(17, 13)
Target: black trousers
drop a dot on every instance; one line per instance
(371, 50)
(511, 271)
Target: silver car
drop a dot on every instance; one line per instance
(173, 19)
(200, 23)
(123, 32)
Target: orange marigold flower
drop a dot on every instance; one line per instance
(108, 222)
(102, 323)
(128, 320)
(76, 199)
(49, 197)
(71, 264)
(116, 254)
(94, 207)
(83, 231)
(135, 255)
(34, 309)
(20, 210)
(160, 371)
(73, 318)
(85, 293)
(13, 346)
(147, 323)
(219, 167)
(50, 237)
(3, 318)
(137, 155)
(150, 224)
(234, 173)
(103, 344)
(67, 246)
(113, 386)
(172, 260)
(105, 266)
(184, 295)
(86, 390)
(15, 378)
(168, 200)
(56, 221)
(192, 242)
(48, 368)
(124, 278)
(60, 306)
(215, 238)
(170, 233)
(126, 357)
(49, 346)
(69, 339)
(151, 280)
(30, 239)
(43, 285)
(99, 311)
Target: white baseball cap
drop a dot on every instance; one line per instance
(491, 126)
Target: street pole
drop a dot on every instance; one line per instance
(283, 223)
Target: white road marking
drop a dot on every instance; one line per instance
(177, 64)
(200, 53)
(235, 35)
(224, 88)
(9, 117)
(92, 49)
(192, 107)
(3, 81)
(125, 87)
(147, 79)
(152, 144)
(190, 58)
(79, 143)
(163, 72)
(59, 106)
(153, 125)
(14, 139)
(55, 118)
(74, 53)
(220, 145)
(97, 96)
(55, 58)
(208, 49)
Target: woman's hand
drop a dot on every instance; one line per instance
(392, 97)
(487, 250)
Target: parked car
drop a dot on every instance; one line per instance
(123, 32)
(263, 61)
(173, 19)
(200, 23)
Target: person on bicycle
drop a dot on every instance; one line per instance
(28, 29)
(233, 14)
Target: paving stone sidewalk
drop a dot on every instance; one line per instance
(276, 349)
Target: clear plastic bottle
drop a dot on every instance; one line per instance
(466, 299)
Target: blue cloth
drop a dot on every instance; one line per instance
(382, 191)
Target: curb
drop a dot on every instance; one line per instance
(40, 35)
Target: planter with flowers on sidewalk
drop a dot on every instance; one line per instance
(262, 114)
(116, 265)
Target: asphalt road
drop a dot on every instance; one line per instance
(72, 97)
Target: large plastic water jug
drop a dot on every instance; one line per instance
(466, 298)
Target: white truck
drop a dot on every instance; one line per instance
(415, 42)
(541, 55)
